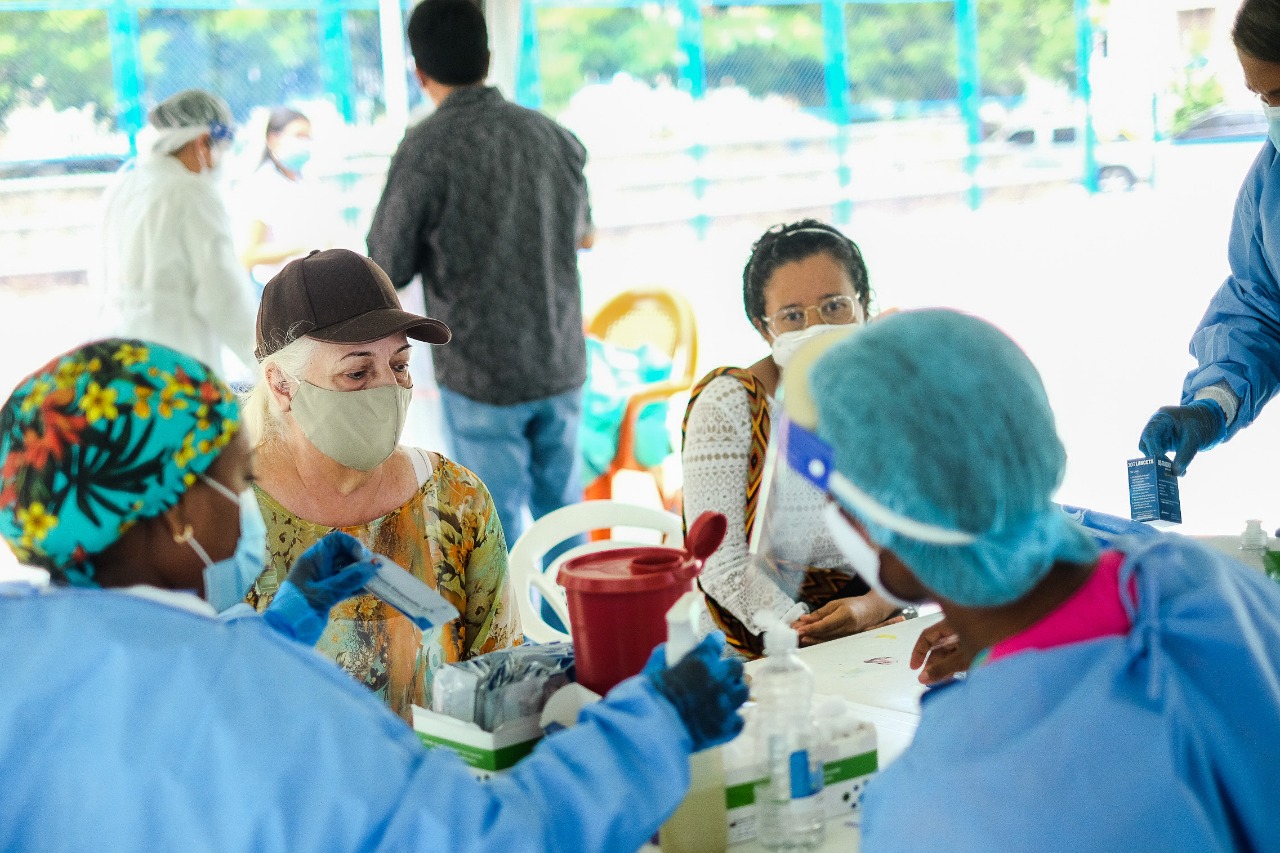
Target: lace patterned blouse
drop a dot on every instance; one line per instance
(718, 447)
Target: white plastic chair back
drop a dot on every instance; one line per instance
(525, 561)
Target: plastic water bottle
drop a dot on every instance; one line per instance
(790, 812)
(1253, 545)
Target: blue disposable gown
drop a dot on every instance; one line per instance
(1238, 340)
(1167, 739)
(128, 724)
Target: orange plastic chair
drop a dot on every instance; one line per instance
(664, 320)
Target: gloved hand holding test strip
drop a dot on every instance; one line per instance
(425, 607)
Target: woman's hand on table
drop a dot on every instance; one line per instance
(842, 617)
(938, 651)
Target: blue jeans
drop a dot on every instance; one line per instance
(526, 454)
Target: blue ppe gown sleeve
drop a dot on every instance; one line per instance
(1107, 530)
(1160, 740)
(127, 724)
(1238, 339)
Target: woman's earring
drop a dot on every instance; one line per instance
(184, 537)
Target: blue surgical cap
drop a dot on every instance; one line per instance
(939, 417)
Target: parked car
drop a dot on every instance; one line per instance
(1224, 124)
(1054, 151)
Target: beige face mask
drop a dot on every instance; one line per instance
(359, 429)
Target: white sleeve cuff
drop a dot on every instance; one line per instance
(1221, 393)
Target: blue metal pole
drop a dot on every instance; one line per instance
(693, 78)
(335, 50)
(126, 70)
(693, 64)
(836, 75)
(1084, 51)
(970, 92)
(529, 62)
(836, 60)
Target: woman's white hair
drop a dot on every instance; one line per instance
(259, 410)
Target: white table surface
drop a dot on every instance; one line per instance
(871, 671)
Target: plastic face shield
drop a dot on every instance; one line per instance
(783, 541)
(788, 536)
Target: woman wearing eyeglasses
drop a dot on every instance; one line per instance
(802, 280)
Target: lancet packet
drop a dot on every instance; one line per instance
(425, 607)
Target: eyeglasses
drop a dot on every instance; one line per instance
(833, 311)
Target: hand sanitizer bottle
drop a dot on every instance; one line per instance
(790, 811)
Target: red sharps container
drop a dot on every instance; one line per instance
(618, 601)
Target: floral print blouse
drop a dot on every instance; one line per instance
(448, 535)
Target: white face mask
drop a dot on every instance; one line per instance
(861, 556)
(1273, 124)
(788, 344)
(359, 429)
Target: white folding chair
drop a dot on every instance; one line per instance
(525, 560)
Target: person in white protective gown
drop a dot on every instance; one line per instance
(170, 271)
(133, 718)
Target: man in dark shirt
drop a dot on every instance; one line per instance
(487, 201)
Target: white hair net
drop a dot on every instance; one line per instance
(186, 116)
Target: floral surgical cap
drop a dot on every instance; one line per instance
(100, 437)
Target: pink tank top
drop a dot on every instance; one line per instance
(1092, 611)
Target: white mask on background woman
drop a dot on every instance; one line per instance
(787, 344)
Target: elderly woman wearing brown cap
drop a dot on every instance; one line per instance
(325, 418)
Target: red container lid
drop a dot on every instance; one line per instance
(643, 568)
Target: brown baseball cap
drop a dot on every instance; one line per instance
(338, 296)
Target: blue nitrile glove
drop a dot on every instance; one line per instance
(332, 570)
(705, 688)
(1184, 429)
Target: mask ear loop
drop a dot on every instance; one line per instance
(187, 537)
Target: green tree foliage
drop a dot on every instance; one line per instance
(897, 52)
(1017, 37)
(580, 45)
(909, 52)
(901, 52)
(63, 57)
(248, 56)
(251, 57)
(767, 50)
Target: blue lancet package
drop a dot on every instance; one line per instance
(1153, 492)
(425, 607)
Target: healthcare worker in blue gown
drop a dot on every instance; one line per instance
(132, 717)
(1237, 344)
(1119, 699)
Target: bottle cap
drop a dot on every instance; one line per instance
(779, 636)
(1254, 536)
(682, 626)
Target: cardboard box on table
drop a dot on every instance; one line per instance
(486, 753)
(853, 760)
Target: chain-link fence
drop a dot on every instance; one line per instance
(692, 111)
